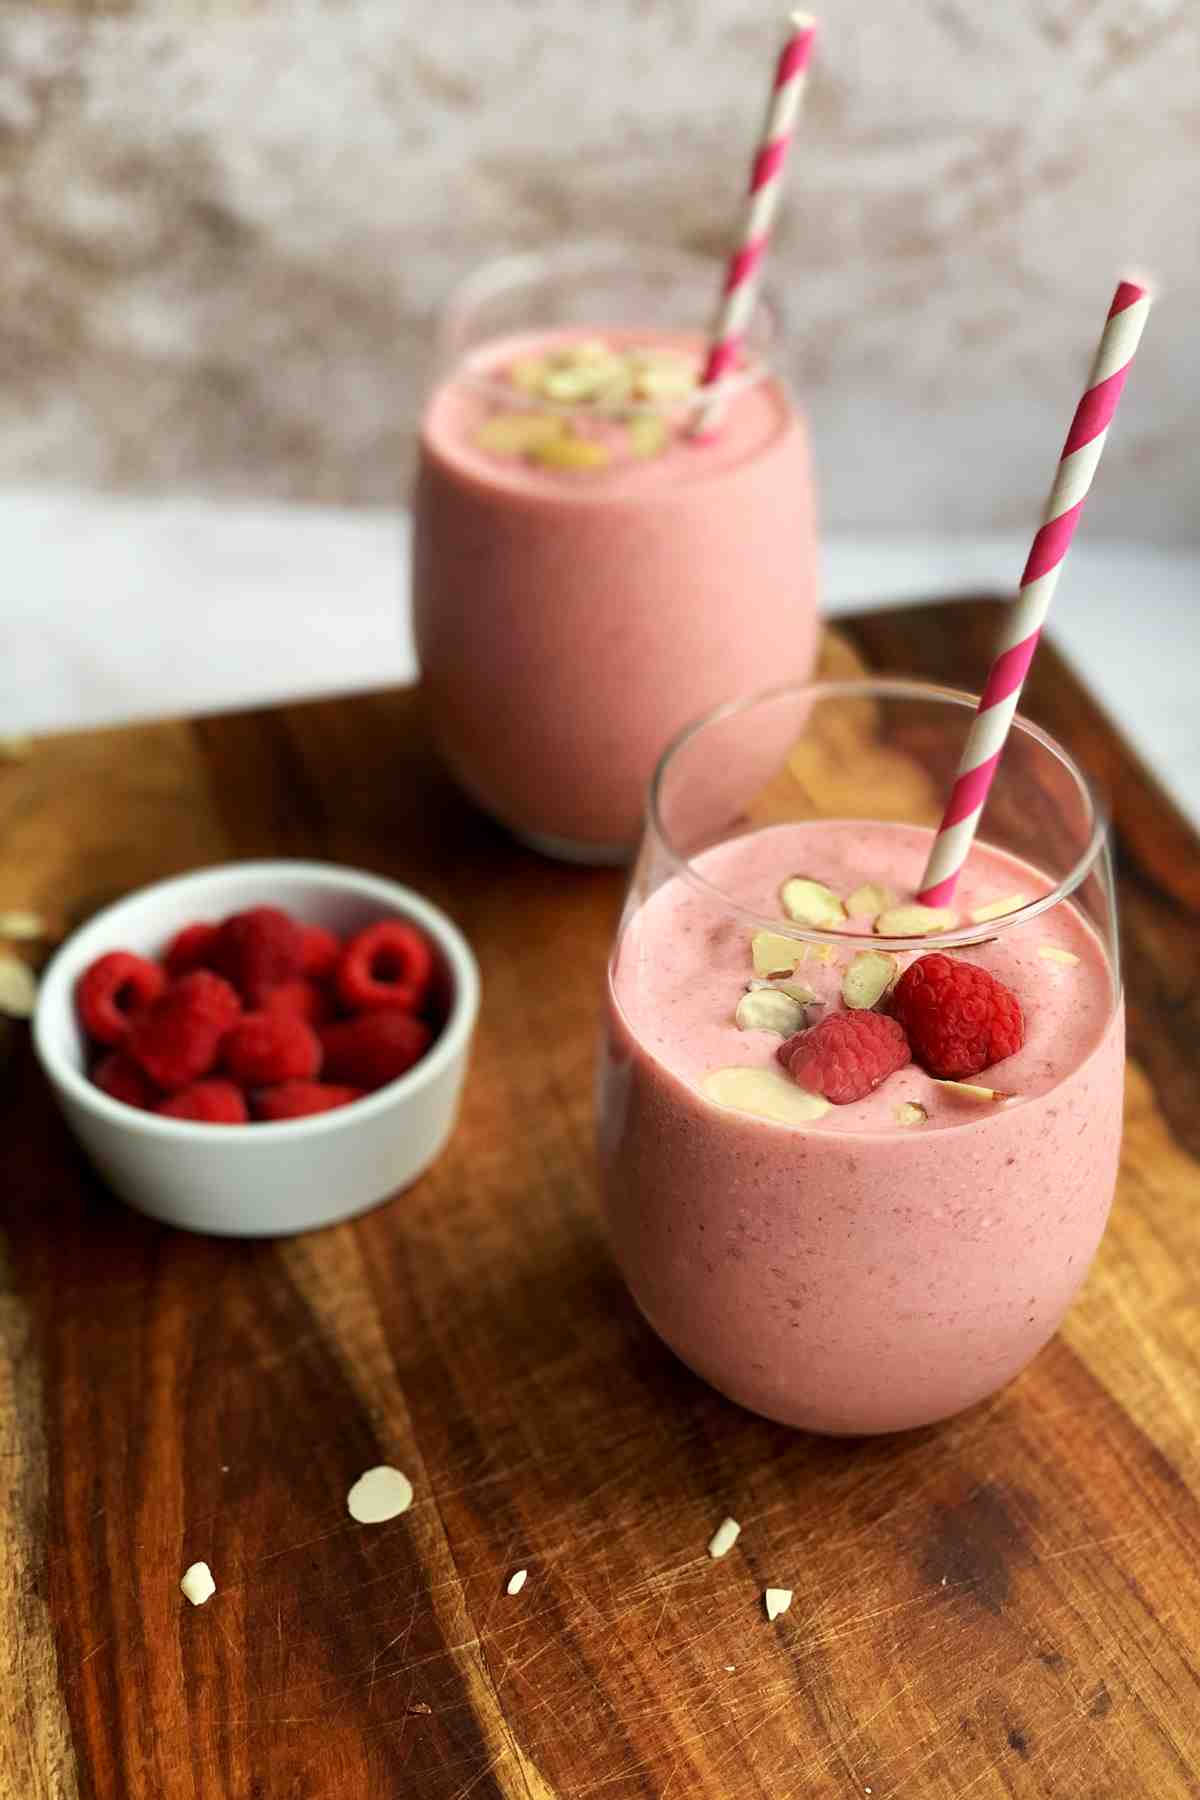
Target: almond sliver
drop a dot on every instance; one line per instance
(767, 1093)
(810, 902)
(1053, 953)
(914, 920)
(996, 909)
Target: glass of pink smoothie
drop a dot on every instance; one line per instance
(888, 1260)
(586, 576)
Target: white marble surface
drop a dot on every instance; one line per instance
(225, 226)
(117, 609)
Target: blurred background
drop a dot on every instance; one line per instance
(224, 230)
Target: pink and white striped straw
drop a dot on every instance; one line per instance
(743, 275)
(1002, 691)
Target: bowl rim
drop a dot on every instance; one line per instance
(56, 991)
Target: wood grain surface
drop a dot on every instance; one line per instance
(1008, 1605)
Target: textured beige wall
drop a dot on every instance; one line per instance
(223, 228)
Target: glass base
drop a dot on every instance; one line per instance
(600, 856)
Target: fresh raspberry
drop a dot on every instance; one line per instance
(958, 1017)
(301, 999)
(846, 1056)
(298, 1099)
(265, 1048)
(387, 967)
(113, 991)
(190, 948)
(209, 1102)
(321, 951)
(179, 1038)
(117, 1075)
(257, 950)
(375, 1048)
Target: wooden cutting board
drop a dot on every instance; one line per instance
(1006, 1605)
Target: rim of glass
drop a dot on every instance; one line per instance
(881, 687)
(574, 259)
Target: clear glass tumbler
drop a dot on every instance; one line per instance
(888, 1261)
(586, 575)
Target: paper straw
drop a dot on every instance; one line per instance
(1002, 691)
(743, 276)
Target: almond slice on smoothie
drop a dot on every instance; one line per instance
(775, 954)
(770, 1009)
(766, 1093)
(996, 909)
(971, 1090)
(870, 977)
(869, 900)
(517, 434)
(810, 902)
(914, 920)
(911, 1112)
(1054, 953)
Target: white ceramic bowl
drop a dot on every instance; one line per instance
(259, 1180)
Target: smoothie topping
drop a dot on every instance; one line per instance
(970, 1091)
(766, 1093)
(810, 902)
(770, 1008)
(871, 976)
(625, 388)
(847, 1056)
(958, 1017)
(775, 954)
(914, 920)
(996, 909)
(1052, 953)
(869, 900)
(911, 1113)
(784, 984)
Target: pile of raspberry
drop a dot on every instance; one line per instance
(260, 1017)
(952, 1018)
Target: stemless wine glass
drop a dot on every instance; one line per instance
(570, 619)
(901, 1256)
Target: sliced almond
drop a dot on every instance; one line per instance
(914, 920)
(527, 373)
(648, 434)
(767, 1093)
(869, 899)
(777, 1601)
(769, 1009)
(970, 1091)
(572, 453)
(517, 434)
(23, 927)
(911, 1113)
(516, 1581)
(870, 976)
(673, 380)
(579, 381)
(996, 909)
(1053, 953)
(775, 954)
(785, 985)
(18, 989)
(723, 1539)
(810, 902)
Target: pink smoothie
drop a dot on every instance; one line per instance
(854, 1274)
(569, 623)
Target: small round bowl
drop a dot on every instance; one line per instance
(261, 1180)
